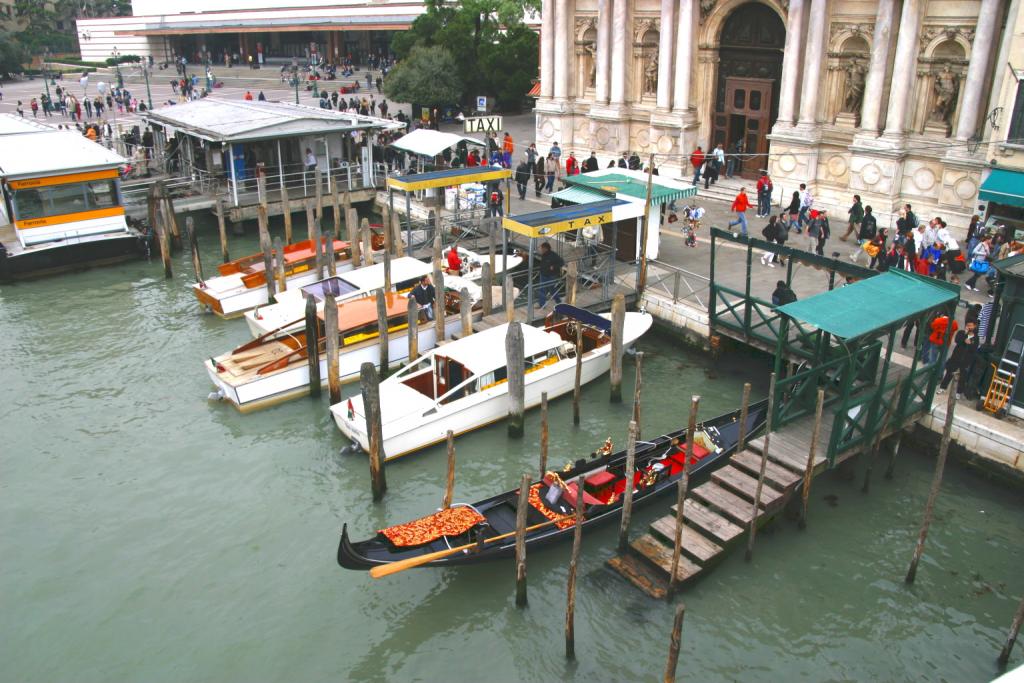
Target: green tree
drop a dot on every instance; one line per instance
(427, 76)
(13, 55)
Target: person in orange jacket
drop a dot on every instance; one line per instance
(740, 206)
(697, 161)
(507, 148)
(937, 339)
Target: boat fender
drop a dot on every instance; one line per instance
(216, 395)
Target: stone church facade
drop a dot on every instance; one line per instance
(887, 99)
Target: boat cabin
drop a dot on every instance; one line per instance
(405, 273)
(298, 257)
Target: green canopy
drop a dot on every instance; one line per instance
(579, 195)
(1003, 187)
(872, 304)
(614, 184)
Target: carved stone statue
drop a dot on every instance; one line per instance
(591, 50)
(651, 76)
(946, 87)
(855, 75)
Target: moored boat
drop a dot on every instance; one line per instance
(487, 527)
(463, 385)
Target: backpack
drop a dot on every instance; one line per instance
(495, 199)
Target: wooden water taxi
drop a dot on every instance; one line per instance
(242, 283)
(462, 385)
(485, 530)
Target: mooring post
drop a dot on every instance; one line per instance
(760, 474)
(744, 409)
(318, 247)
(193, 245)
(449, 486)
(310, 219)
(382, 332)
(413, 329)
(521, 509)
(627, 493)
(684, 483)
(330, 256)
(674, 644)
(486, 282)
(618, 327)
(933, 493)
(367, 238)
(286, 212)
(578, 379)
(370, 385)
(313, 346)
(894, 449)
(331, 347)
(172, 220)
(805, 494)
(508, 299)
(516, 367)
(223, 231)
(279, 275)
(387, 267)
(466, 312)
(352, 228)
(268, 256)
(636, 391)
(491, 247)
(336, 211)
(571, 278)
(544, 433)
(440, 302)
(1011, 639)
(570, 606)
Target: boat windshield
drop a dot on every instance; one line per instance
(338, 285)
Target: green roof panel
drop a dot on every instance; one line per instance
(871, 304)
(613, 184)
(579, 195)
(1003, 187)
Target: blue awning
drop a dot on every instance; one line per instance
(1003, 187)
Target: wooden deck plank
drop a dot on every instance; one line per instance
(778, 475)
(725, 501)
(695, 544)
(788, 455)
(720, 529)
(639, 573)
(660, 555)
(733, 478)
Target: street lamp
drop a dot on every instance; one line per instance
(145, 74)
(117, 68)
(316, 76)
(46, 76)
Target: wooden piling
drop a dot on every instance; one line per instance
(522, 508)
(744, 409)
(164, 238)
(805, 493)
(571, 280)
(310, 219)
(413, 329)
(894, 449)
(570, 605)
(313, 346)
(367, 239)
(268, 257)
(618, 327)
(336, 212)
(279, 275)
(318, 248)
(466, 312)
(933, 493)
(352, 228)
(627, 493)
(544, 433)
(382, 332)
(674, 644)
(449, 486)
(370, 385)
(508, 299)
(286, 211)
(684, 483)
(223, 231)
(318, 192)
(760, 474)
(516, 379)
(261, 188)
(636, 391)
(576, 388)
(486, 282)
(395, 225)
(330, 256)
(491, 248)
(387, 267)
(333, 361)
(172, 220)
(1018, 619)
(440, 302)
(435, 216)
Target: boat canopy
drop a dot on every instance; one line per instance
(360, 312)
(586, 317)
(484, 351)
(372, 277)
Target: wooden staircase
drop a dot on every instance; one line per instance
(716, 516)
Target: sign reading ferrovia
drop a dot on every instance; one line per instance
(483, 124)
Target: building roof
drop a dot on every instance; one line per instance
(562, 219)
(431, 142)
(1003, 186)
(874, 303)
(55, 152)
(613, 182)
(485, 351)
(448, 177)
(12, 124)
(1011, 265)
(228, 121)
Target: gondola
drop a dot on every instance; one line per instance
(487, 527)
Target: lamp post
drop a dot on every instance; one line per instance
(316, 76)
(145, 73)
(295, 84)
(46, 76)
(117, 68)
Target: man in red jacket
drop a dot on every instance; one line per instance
(740, 206)
(697, 160)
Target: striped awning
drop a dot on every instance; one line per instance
(448, 178)
(535, 90)
(579, 195)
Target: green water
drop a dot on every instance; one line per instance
(148, 535)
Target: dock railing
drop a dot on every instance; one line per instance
(676, 284)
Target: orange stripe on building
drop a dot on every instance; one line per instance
(62, 179)
(69, 218)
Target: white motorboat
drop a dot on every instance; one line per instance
(462, 385)
(241, 285)
(275, 367)
(472, 263)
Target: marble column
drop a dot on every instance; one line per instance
(871, 107)
(547, 48)
(817, 34)
(684, 56)
(604, 49)
(905, 70)
(561, 49)
(620, 51)
(665, 47)
(791, 61)
(975, 84)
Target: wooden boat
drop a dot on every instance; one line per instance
(462, 386)
(274, 367)
(241, 285)
(659, 465)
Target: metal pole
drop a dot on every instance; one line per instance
(149, 95)
(641, 274)
(234, 180)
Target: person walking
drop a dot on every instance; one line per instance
(781, 236)
(770, 233)
(495, 202)
(551, 169)
(981, 264)
(954, 257)
(531, 156)
(522, 177)
(697, 161)
(507, 149)
(719, 162)
(806, 202)
(550, 269)
(961, 358)
(764, 195)
(739, 207)
(856, 216)
(572, 167)
(865, 235)
(824, 232)
(539, 176)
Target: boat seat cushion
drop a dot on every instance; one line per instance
(600, 479)
(571, 494)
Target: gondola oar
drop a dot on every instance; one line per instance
(383, 570)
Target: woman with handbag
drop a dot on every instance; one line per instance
(980, 265)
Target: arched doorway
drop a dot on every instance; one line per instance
(747, 90)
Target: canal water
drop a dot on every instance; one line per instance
(150, 535)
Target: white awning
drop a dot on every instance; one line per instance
(430, 143)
